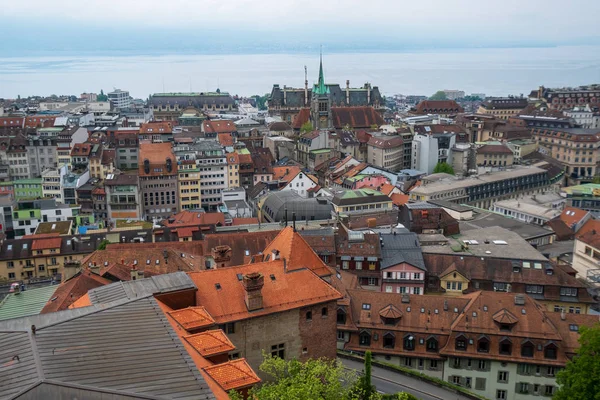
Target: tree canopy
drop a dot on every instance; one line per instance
(321, 379)
(261, 101)
(439, 95)
(102, 96)
(306, 127)
(443, 167)
(580, 380)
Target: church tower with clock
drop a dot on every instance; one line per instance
(320, 108)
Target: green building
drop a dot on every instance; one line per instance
(28, 188)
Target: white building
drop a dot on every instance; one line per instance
(584, 116)
(529, 213)
(454, 94)
(52, 183)
(119, 98)
(428, 150)
(300, 184)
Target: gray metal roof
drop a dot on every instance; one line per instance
(399, 248)
(125, 348)
(141, 287)
(276, 202)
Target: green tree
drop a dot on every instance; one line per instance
(443, 167)
(580, 380)
(306, 127)
(314, 379)
(102, 244)
(102, 96)
(261, 101)
(439, 95)
(368, 387)
(596, 180)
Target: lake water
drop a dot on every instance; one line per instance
(489, 71)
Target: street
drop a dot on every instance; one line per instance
(391, 382)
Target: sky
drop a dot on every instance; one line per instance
(281, 25)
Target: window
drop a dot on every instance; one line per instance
(479, 383)
(527, 349)
(482, 365)
(372, 281)
(309, 315)
(408, 362)
(11, 275)
(550, 351)
(324, 312)
(549, 390)
(417, 290)
(389, 340)
(409, 342)
(358, 264)
(366, 306)
(536, 388)
(483, 346)
(364, 339)
(433, 364)
(461, 343)
(505, 346)
(550, 371)
(278, 350)
(341, 317)
(345, 264)
(524, 369)
(534, 289)
(456, 380)
(503, 376)
(10, 264)
(341, 336)
(568, 292)
(432, 344)
(501, 394)
(456, 362)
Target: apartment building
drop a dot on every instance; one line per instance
(188, 178)
(575, 148)
(494, 155)
(119, 99)
(28, 214)
(585, 197)
(158, 180)
(586, 253)
(561, 98)
(359, 201)
(156, 131)
(17, 157)
(502, 107)
(483, 190)
(430, 148)
(41, 150)
(52, 182)
(498, 345)
(170, 106)
(122, 196)
(386, 152)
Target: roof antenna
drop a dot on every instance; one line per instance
(294, 220)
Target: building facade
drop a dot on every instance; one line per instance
(158, 180)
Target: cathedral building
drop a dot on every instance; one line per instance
(328, 106)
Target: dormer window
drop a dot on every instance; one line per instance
(527, 349)
(389, 340)
(550, 351)
(483, 345)
(364, 339)
(409, 342)
(461, 343)
(432, 344)
(341, 317)
(505, 346)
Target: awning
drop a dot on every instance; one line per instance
(346, 258)
(372, 258)
(359, 258)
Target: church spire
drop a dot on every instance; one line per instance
(320, 86)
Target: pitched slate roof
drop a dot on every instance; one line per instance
(28, 302)
(141, 356)
(438, 106)
(403, 247)
(68, 292)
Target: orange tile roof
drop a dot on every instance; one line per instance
(189, 218)
(157, 154)
(81, 149)
(233, 159)
(83, 301)
(285, 174)
(219, 126)
(155, 127)
(235, 374)
(41, 235)
(144, 257)
(192, 318)
(387, 188)
(293, 248)
(187, 231)
(72, 290)
(225, 139)
(44, 244)
(399, 199)
(244, 221)
(590, 233)
(210, 343)
(572, 216)
(222, 294)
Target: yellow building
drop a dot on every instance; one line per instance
(502, 107)
(188, 183)
(233, 170)
(102, 162)
(453, 282)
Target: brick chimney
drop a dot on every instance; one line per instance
(253, 284)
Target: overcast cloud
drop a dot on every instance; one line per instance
(468, 22)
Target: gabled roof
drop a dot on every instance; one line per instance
(355, 117)
(219, 126)
(590, 233)
(68, 292)
(390, 311)
(46, 244)
(571, 216)
(285, 174)
(438, 106)
(505, 317)
(494, 149)
(292, 247)
(225, 139)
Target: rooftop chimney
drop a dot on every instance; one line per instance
(253, 284)
(347, 92)
(274, 255)
(133, 273)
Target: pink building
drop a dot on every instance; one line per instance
(368, 181)
(402, 266)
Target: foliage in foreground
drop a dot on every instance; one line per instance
(443, 167)
(580, 380)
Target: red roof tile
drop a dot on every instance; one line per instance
(70, 291)
(219, 126)
(571, 216)
(156, 127)
(222, 293)
(210, 343)
(292, 247)
(187, 231)
(235, 374)
(302, 117)
(285, 174)
(438, 106)
(189, 218)
(245, 221)
(590, 233)
(355, 117)
(225, 139)
(44, 244)
(192, 318)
